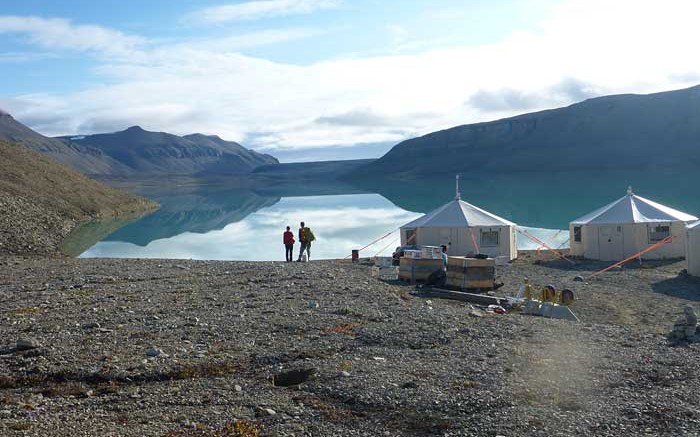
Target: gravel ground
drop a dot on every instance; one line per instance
(190, 348)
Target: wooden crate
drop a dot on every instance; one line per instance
(412, 269)
(470, 273)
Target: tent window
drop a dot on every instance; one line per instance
(658, 233)
(577, 234)
(489, 238)
(410, 237)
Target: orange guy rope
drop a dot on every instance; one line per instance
(538, 241)
(375, 241)
(386, 247)
(476, 246)
(636, 255)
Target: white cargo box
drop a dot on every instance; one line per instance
(386, 273)
(413, 254)
(383, 261)
(431, 252)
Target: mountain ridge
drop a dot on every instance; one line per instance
(86, 160)
(136, 152)
(162, 153)
(650, 131)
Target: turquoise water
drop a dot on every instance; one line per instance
(340, 223)
(218, 221)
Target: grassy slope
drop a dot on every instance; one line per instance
(41, 201)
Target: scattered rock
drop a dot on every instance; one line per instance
(25, 344)
(90, 325)
(263, 411)
(293, 377)
(685, 328)
(153, 352)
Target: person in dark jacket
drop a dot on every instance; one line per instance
(288, 239)
(302, 242)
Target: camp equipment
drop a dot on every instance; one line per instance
(433, 252)
(567, 297)
(548, 294)
(548, 309)
(417, 269)
(465, 273)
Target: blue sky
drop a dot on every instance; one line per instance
(331, 78)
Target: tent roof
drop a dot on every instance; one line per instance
(457, 213)
(633, 209)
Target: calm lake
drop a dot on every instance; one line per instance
(221, 221)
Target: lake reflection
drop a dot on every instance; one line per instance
(245, 220)
(340, 222)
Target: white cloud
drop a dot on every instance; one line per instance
(20, 57)
(254, 10)
(56, 33)
(583, 48)
(249, 40)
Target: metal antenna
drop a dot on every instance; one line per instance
(458, 196)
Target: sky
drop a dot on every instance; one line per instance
(325, 79)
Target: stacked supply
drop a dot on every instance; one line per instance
(471, 273)
(418, 269)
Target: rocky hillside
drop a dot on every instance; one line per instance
(654, 131)
(42, 201)
(148, 153)
(84, 159)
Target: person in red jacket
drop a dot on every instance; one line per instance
(288, 240)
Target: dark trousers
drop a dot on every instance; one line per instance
(305, 247)
(289, 252)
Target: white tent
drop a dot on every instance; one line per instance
(461, 225)
(693, 249)
(626, 227)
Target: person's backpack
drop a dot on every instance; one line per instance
(308, 235)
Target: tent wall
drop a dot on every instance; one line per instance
(693, 251)
(461, 241)
(618, 241)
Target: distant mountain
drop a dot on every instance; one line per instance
(312, 170)
(84, 159)
(42, 201)
(147, 153)
(655, 131)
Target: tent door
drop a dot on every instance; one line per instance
(610, 243)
